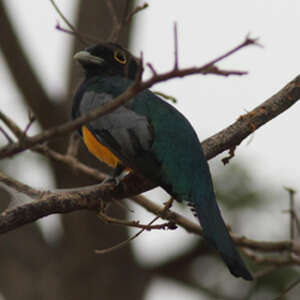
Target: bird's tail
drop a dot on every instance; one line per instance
(215, 231)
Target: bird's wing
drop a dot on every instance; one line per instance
(127, 134)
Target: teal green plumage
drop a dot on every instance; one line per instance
(153, 138)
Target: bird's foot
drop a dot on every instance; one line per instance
(111, 179)
(167, 206)
(117, 176)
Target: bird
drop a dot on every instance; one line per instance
(149, 136)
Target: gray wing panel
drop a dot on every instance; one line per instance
(125, 132)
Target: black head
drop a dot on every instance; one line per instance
(108, 59)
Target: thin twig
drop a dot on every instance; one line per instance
(117, 25)
(291, 211)
(73, 29)
(192, 227)
(124, 243)
(68, 159)
(31, 119)
(283, 260)
(136, 224)
(20, 187)
(153, 71)
(262, 273)
(297, 222)
(135, 11)
(11, 125)
(113, 13)
(85, 38)
(71, 162)
(6, 135)
(247, 42)
(168, 204)
(73, 145)
(62, 16)
(175, 47)
(125, 12)
(286, 290)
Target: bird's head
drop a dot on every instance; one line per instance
(109, 59)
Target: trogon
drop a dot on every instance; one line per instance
(149, 136)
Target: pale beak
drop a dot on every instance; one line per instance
(86, 57)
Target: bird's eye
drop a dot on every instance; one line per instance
(120, 57)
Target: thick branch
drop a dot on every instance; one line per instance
(64, 201)
(234, 134)
(90, 198)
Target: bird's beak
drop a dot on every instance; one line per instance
(86, 57)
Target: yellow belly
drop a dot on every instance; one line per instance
(97, 149)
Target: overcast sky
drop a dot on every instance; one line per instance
(206, 29)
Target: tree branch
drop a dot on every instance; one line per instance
(135, 184)
(234, 134)
(90, 197)
(72, 28)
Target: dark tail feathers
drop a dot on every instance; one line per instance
(216, 233)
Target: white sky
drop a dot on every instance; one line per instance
(206, 29)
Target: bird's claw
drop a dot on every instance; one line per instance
(114, 180)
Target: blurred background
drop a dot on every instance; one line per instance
(54, 258)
